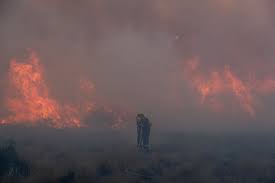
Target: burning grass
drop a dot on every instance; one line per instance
(29, 99)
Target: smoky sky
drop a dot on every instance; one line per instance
(133, 50)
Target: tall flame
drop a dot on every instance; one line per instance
(29, 100)
(241, 91)
(217, 83)
(221, 82)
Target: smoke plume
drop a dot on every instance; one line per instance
(137, 54)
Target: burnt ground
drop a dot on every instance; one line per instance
(83, 155)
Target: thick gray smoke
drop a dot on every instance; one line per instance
(133, 50)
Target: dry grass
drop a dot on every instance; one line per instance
(82, 156)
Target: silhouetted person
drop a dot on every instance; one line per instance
(143, 132)
(139, 130)
(146, 129)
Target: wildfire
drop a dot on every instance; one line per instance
(29, 101)
(208, 87)
(119, 116)
(241, 91)
(220, 82)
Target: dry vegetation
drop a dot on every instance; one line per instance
(67, 156)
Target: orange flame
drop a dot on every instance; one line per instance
(206, 87)
(241, 91)
(29, 101)
(217, 83)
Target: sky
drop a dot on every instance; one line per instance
(137, 55)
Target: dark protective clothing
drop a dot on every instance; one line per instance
(146, 128)
(139, 133)
(143, 132)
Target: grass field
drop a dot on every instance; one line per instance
(83, 155)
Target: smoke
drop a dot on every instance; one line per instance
(134, 52)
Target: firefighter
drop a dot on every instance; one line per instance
(146, 129)
(139, 120)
